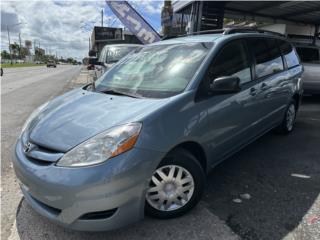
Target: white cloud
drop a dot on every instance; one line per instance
(149, 6)
(61, 26)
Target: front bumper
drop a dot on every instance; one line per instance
(65, 195)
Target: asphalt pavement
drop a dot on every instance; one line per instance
(269, 190)
(22, 90)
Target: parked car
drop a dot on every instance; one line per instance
(51, 64)
(111, 54)
(142, 138)
(310, 57)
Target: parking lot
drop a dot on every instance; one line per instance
(278, 178)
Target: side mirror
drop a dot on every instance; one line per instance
(225, 85)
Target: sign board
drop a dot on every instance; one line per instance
(134, 21)
(104, 33)
(28, 44)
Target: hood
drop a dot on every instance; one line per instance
(78, 115)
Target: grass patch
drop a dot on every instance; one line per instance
(15, 65)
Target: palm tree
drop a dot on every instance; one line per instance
(14, 49)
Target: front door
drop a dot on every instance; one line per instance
(231, 116)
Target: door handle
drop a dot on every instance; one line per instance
(253, 91)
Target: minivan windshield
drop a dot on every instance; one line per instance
(157, 71)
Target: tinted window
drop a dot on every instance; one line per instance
(233, 60)
(289, 54)
(267, 55)
(155, 71)
(308, 54)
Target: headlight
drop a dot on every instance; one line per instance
(33, 115)
(102, 146)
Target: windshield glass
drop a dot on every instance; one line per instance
(114, 54)
(155, 71)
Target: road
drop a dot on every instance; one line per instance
(280, 174)
(22, 90)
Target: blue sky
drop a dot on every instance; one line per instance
(64, 27)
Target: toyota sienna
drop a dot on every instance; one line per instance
(141, 139)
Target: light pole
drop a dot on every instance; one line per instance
(9, 45)
(9, 38)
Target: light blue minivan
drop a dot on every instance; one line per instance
(142, 138)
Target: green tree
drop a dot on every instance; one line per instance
(14, 49)
(5, 54)
(25, 52)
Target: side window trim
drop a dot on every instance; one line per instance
(252, 59)
(251, 62)
(284, 62)
(284, 59)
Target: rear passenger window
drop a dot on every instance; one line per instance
(267, 55)
(233, 60)
(289, 54)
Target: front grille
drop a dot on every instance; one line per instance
(40, 155)
(39, 161)
(98, 215)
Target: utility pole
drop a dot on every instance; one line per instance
(34, 48)
(9, 38)
(9, 44)
(20, 46)
(101, 17)
(89, 44)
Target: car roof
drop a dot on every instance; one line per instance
(213, 38)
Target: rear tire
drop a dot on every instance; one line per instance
(176, 185)
(288, 121)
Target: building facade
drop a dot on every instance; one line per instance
(195, 16)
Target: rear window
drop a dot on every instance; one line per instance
(308, 54)
(289, 54)
(267, 55)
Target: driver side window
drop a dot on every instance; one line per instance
(233, 60)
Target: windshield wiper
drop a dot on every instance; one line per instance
(116, 92)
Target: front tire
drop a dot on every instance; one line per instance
(288, 121)
(176, 186)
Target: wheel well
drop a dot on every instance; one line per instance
(296, 97)
(196, 150)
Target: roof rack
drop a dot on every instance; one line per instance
(250, 30)
(227, 31)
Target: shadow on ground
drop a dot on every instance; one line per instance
(278, 200)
